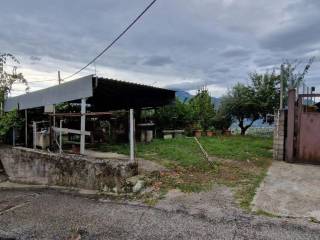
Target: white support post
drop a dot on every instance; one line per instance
(83, 126)
(54, 115)
(13, 136)
(34, 135)
(60, 137)
(26, 127)
(131, 136)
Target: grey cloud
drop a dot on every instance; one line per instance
(158, 61)
(186, 86)
(35, 58)
(222, 70)
(206, 39)
(235, 52)
(288, 39)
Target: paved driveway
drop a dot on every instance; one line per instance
(290, 190)
(52, 215)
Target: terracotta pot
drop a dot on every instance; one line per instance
(209, 133)
(197, 133)
(227, 133)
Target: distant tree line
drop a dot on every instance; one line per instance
(243, 104)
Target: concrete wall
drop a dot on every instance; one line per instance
(37, 167)
(279, 137)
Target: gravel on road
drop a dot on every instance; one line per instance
(48, 214)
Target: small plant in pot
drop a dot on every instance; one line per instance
(211, 132)
(227, 132)
(197, 130)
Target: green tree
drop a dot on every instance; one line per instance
(9, 77)
(222, 119)
(8, 121)
(266, 92)
(241, 103)
(202, 109)
(291, 77)
(175, 115)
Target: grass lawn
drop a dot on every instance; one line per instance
(241, 162)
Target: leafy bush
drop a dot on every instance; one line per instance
(8, 121)
(202, 109)
(174, 116)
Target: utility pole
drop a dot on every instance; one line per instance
(281, 87)
(59, 78)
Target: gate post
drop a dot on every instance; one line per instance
(290, 125)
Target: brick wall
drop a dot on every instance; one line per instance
(279, 136)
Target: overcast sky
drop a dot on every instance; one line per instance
(181, 44)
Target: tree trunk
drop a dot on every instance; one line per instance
(244, 128)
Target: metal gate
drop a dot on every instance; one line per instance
(307, 129)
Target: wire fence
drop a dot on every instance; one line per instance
(256, 131)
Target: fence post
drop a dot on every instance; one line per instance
(34, 135)
(131, 135)
(290, 125)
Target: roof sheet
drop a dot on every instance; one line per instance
(69, 91)
(104, 94)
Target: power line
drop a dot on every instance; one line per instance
(114, 41)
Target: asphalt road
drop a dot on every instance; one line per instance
(52, 215)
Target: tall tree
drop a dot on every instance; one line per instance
(291, 77)
(241, 103)
(266, 92)
(9, 77)
(202, 109)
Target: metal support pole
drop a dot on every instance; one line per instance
(14, 136)
(26, 128)
(59, 78)
(83, 126)
(60, 137)
(131, 135)
(54, 115)
(281, 87)
(34, 135)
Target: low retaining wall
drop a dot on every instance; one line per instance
(30, 166)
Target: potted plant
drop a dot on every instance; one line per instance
(211, 132)
(227, 132)
(197, 130)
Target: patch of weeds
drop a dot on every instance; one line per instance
(314, 220)
(150, 201)
(193, 187)
(244, 177)
(266, 214)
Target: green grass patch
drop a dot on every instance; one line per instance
(242, 163)
(238, 147)
(181, 151)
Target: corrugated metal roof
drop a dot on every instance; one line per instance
(109, 94)
(69, 91)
